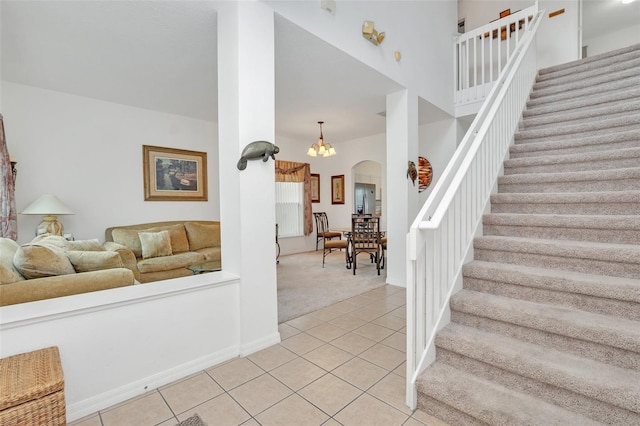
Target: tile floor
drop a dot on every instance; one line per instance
(340, 365)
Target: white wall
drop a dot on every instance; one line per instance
(614, 40)
(421, 30)
(438, 142)
(558, 37)
(122, 342)
(89, 153)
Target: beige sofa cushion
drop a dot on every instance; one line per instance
(63, 243)
(202, 235)
(8, 272)
(34, 261)
(86, 261)
(128, 238)
(155, 244)
(180, 260)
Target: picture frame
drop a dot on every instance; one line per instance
(172, 174)
(337, 189)
(315, 188)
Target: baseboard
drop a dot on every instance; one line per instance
(257, 345)
(107, 399)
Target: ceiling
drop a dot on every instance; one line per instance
(161, 55)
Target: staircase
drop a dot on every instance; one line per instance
(546, 330)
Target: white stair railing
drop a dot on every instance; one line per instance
(441, 237)
(481, 54)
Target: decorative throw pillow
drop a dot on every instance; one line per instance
(85, 261)
(34, 261)
(179, 242)
(128, 238)
(8, 272)
(202, 235)
(155, 244)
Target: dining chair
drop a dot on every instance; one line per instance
(365, 238)
(323, 233)
(329, 245)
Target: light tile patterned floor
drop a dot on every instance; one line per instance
(340, 365)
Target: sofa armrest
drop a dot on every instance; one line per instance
(64, 285)
(128, 258)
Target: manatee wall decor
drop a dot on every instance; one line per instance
(257, 150)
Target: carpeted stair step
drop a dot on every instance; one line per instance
(599, 203)
(589, 181)
(628, 83)
(588, 73)
(592, 81)
(594, 389)
(603, 338)
(462, 398)
(583, 115)
(596, 127)
(581, 103)
(616, 229)
(598, 160)
(592, 63)
(618, 260)
(612, 140)
(620, 296)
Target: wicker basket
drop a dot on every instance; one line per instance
(32, 389)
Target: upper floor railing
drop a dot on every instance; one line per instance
(481, 54)
(440, 240)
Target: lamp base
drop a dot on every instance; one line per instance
(50, 225)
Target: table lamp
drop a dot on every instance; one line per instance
(49, 206)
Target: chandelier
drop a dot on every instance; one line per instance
(321, 148)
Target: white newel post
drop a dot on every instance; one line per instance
(402, 147)
(246, 99)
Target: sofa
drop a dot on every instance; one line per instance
(161, 250)
(50, 266)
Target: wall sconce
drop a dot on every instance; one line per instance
(371, 34)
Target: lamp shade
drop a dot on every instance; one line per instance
(47, 205)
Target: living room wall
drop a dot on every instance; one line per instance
(89, 153)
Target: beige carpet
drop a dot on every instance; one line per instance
(304, 286)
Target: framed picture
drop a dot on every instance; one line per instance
(174, 174)
(337, 189)
(315, 188)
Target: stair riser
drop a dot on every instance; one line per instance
(597, 129)
(603, 353)
(581, 117)
(598, 90)
(585, 405)
(633, 61)
(589, 266)
(612, 236)
(618, 163)
(591, 63)
(592, 81)
(594, 304)
(576, 146)
(568, 208)
(574, 105)
(445, 412)
(584, 186)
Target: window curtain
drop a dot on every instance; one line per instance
(8, 215)
(290, 171)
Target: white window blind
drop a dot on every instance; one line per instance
(289, 208)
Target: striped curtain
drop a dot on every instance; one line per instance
(8, 215)
(290, 171)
